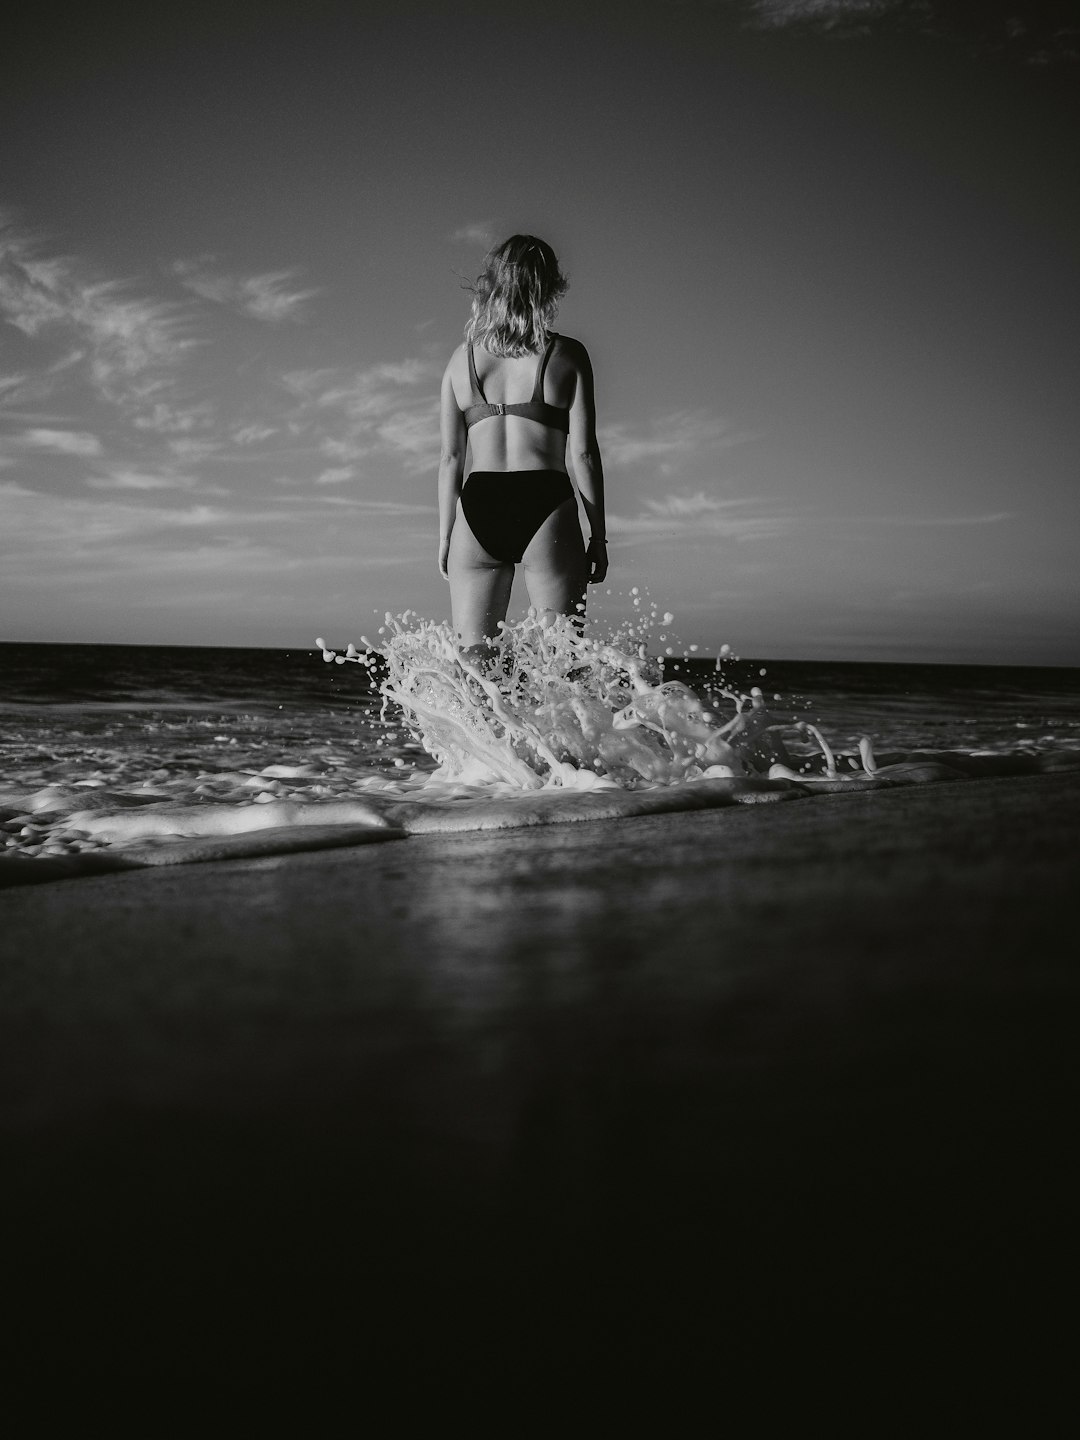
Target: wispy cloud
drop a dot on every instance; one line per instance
(830, 14)
(388, 509)
(131, 339)
(1038, 35)
(31, 396)
(685, 507)
(272, 296)
(189, 447)
(137, 480)
(669, 439)
(253, 434)
(125, 340)
(174, 417)
(993, 518)
(696, 518)
(131, 538)
(413, 434)
(390, 408)
(37, 526)
(62, 442)
(481, 232)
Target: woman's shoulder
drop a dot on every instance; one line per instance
(455, 380)
(459, 360)
(572, 349)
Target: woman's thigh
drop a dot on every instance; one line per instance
(554, 563)
(479, 586)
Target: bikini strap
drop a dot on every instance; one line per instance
(538, 383)
(474, 377)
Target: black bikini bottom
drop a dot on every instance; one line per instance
(505, 508)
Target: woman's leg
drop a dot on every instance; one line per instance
(554, 565)
(479, 587)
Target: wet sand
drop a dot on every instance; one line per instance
(634, 1102)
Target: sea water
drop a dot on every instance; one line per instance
(402, 715)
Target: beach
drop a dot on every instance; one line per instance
(661, 1096)
(540, 719)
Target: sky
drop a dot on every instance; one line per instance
(825, 255)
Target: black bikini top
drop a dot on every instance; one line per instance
(534, 409)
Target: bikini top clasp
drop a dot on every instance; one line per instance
(535, 409)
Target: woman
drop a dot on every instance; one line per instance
(516, 398)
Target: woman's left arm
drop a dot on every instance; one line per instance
(451, 465)
(584, 455)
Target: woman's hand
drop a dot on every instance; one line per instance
(596, 556)
(444, 555)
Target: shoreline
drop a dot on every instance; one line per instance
(153, 832)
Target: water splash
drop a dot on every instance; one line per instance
(552, 705)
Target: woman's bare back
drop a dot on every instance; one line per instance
(513, 442)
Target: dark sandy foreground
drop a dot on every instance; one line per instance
(682, 1098)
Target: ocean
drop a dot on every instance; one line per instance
(176, 725)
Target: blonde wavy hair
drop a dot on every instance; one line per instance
(516, 297)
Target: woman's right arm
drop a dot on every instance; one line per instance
(451, 464)
(588, 467)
